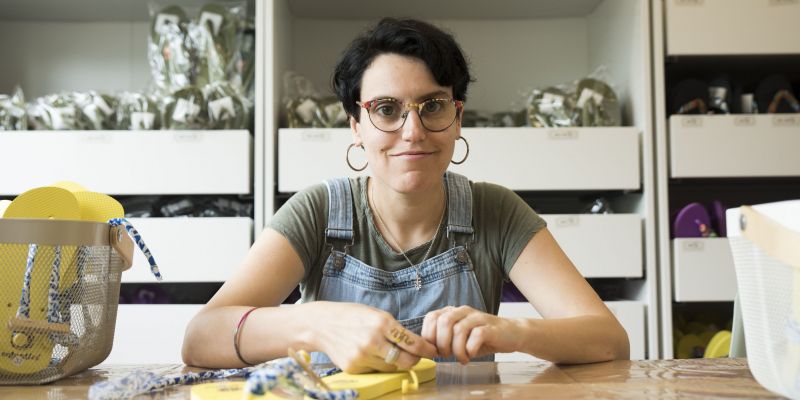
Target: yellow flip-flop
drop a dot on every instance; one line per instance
(368, 386)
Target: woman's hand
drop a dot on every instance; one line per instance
(465, 333)
(358, 338)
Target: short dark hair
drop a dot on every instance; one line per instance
(407, 37)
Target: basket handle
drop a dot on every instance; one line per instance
(119, 240)
(773, 238)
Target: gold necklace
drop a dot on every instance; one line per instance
(396, 243)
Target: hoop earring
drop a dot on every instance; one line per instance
(347, 158)
(465, 155)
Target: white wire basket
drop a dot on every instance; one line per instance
(59, 287)
(765, 242)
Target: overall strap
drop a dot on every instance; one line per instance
(340, 213)
(459, 205)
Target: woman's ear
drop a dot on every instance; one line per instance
(355, 129)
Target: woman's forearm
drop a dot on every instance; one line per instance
(266, 334)
(573, 340)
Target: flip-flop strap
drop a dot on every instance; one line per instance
(784, 95)
(696, 104)
(24, 309)
(137, 238)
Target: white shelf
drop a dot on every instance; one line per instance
(191, 249)
(518, 158)
(631, 314)
(601, 246)
(150, 334)
(722, 27)
(734, 145)
(703, 269)
(129, 162)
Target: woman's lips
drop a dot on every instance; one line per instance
(412, 155)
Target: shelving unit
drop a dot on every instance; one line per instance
(736, 158)
(50, 47)
(573, 164)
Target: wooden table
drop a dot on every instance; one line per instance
(701, 378)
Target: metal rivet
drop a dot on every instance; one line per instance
(462, 257)
(20, 340)
(742, 222)
(338, 262)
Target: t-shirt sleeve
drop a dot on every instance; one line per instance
(302, 220)
(511, 222)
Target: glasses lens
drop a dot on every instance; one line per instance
(438, 114)
(386, 115)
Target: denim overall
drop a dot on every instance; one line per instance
(448, 279)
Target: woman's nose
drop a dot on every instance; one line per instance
(412, 129)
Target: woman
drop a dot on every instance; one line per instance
(409, 262)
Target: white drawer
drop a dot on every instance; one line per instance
(191, 249)
(150, 334)
(629, 313)
(600, 246)
(734, 145)
(129, 162)
(714, 27)
(517, 158)
(703, 269)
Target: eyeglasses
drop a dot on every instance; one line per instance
(389, 115)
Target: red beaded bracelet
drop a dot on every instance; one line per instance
(238, 332)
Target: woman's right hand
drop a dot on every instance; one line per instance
(357, 338)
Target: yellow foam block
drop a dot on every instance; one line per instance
(47, 202)
(369, 386)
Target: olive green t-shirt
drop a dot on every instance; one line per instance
(503, 226)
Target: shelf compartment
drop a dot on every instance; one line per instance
(703, 270)
(600, 246)
(134, 334)
(631, 314)
(732, 27)
(517, 158)
(191, 249)
(129, 162)
(726, 146)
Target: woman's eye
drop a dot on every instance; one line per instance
(386, 109)
(432, 106)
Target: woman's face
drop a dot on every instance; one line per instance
(411, 159)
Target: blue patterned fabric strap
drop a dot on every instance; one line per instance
(137, 238)
(24, 309)
(140, 382)
(459, 204)
(53, 303)
(340, 209)
(283, 373)
(268, 376)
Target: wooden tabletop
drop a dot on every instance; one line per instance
(699, 378)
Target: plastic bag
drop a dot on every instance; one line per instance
(305, 108)
(227, 108)
(54, 112)
(185, 51)
(13, 115)
(136, 111)
(97, 111)
(587, 102)
(185, 109)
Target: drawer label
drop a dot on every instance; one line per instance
(186, 136)
(691, 122)
(563, 134)
(566, 221)
(97, 137)
(693, 245)
(315, 136)
(785, 120)
(744, 120)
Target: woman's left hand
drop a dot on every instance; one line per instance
(465, 333)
